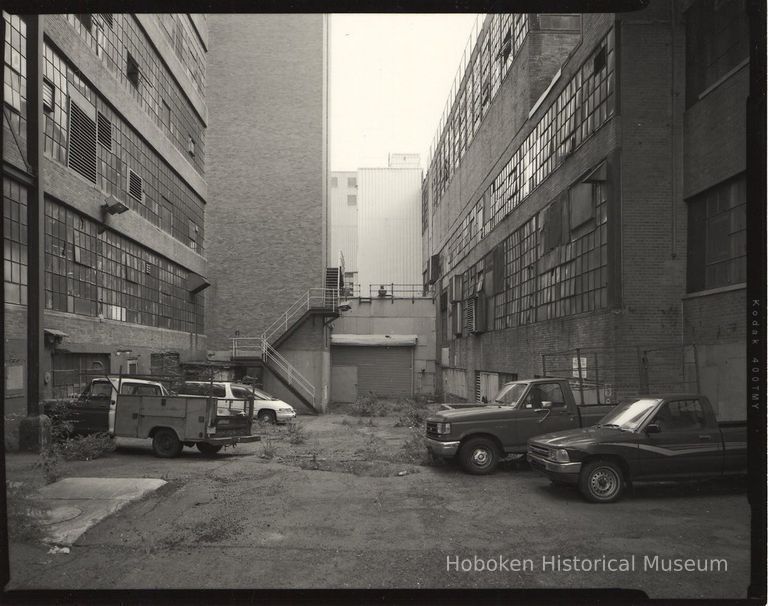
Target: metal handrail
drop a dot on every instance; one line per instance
(328, 297)
(291, 374)
(240, 345)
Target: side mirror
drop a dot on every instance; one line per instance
(546, 404)
(652, 428)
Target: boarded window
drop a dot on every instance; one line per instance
(82, 140)
(581, 206)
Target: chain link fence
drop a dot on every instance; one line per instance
(611, 375)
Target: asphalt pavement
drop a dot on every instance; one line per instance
(245, 521)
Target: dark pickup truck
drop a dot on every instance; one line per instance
(481, 435)
(655, 438)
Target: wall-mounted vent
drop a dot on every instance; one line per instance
(135, 186)
(82, 142)
(105, 131)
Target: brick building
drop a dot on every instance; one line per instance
(104, 191)
(584, 206)
(267, 228)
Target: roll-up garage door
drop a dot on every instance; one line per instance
(386, 371)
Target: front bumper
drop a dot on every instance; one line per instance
(562, 472)
(283, 416)
(442, 449)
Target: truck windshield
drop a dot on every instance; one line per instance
(510, 394)
(629, 416)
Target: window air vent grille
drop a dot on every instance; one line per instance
(82, 142)
(135, 186)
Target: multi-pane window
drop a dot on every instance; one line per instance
(716, 41)
(15, 241)
(15, 75)
(717, 236)
(556, 264)
(126, 51)
(351, 200)
(186, 45)
(108, 275)
(495, 49)
(126, 168)
(586, 102)
(351, 181)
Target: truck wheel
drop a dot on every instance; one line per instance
(267, 416)
(166, 444)
(601, 481)
(208, 450)
(479, 456)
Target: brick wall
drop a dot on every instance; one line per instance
(265, 220)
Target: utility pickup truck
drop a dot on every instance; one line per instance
(138, 408)
(481, 435)
(655, 438)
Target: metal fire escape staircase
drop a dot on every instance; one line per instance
(323, 302)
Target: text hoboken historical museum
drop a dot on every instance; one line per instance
(603, 563)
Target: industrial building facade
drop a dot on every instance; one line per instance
(584, 210)
(104, 191)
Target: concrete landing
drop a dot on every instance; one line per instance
(73, 505)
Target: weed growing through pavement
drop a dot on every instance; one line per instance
(23, 514)
(296, 433)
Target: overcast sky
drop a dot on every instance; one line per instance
(390, 76)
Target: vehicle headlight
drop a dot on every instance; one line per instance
(561, 456)
(443, 428)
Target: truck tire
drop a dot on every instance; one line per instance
(166, 443)
(209, 450)
(601, 481)
(479, 456)
(267, 416)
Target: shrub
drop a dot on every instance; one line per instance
(296, 433)
(23, 513)
(366, 406)
(414, 450)
(86, 448)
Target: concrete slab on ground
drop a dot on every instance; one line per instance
(73, 505)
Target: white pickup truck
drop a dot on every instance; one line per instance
(138, 408)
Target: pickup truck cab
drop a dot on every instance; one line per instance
(655, 438)
(93, 411)
(481, 435)
(138, 408)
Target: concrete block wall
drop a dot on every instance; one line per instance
(307, 349)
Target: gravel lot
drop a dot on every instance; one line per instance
(349, 506)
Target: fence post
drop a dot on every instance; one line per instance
(696, 368)
(643, 370)
(581, 380)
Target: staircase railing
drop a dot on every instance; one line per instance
(258, 346)
(314, 298)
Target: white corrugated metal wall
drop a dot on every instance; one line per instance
(343, 220)
(389, 226)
